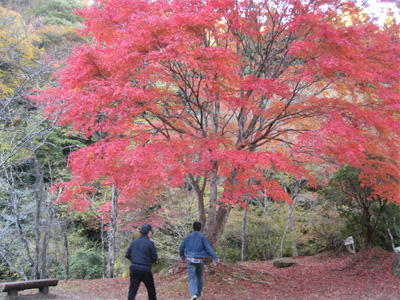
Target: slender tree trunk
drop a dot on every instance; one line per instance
(36, 274)
(244, 236)
(293, 236)
(21, 233)
(43, 254)
(372, 227)
(391, 237)
(102, 247)
(286, 230)
(39, 194)
(290, 225)
(367, 225)
(217, 216)
(212, 209)
(66, 249)
(45, 243)
(265, 204)
(111, 233)
(202, 211)
(200, 196)
(15, 206)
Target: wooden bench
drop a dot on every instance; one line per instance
(12, 288)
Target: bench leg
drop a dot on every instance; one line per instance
(44, 290)
(12, 294)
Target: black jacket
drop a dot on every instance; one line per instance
(142, 253)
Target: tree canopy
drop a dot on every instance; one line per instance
(221, 93)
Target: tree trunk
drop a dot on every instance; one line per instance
(15, 206)
(36, 274)
(390, 236)
(371, 228)
(200, 196)
(286, 230)
(291, 221)
(66, 248)
(45, 243)
(367, 230)
(39, 196)
(212, 209)
(202, 211)
(111, 233)
(293, 236)
(290, 227)
(216, 226)
(102, 247)
(43, 254)
(216, 215)
(244, 236)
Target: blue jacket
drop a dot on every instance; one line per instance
(142, 253)
(196, 245)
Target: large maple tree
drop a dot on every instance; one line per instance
(219, 93)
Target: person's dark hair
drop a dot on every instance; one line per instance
(145, 229)
(196, 226)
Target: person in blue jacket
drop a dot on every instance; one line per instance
(142, 253)
(196, 247)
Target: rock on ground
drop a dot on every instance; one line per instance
(283, 262)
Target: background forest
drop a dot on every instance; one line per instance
(44, 238)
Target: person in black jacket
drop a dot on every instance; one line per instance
(142, 254)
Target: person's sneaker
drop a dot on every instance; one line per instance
(194, 297)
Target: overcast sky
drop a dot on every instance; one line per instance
(379, 10)
(375, 8)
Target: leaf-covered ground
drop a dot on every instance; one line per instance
(365, 275)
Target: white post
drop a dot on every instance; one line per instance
(349, 243)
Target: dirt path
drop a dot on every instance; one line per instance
(365, 275)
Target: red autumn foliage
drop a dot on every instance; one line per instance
(224, 90)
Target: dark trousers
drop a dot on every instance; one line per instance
(142, 276)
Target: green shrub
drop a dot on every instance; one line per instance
(263, 234)
(86, 264)
(352, 198)
(321, 230)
